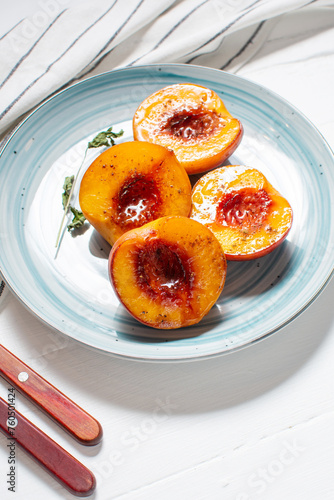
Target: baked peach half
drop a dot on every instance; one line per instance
(243, 210)
(193, 121)
(168, 273)
(131, 184)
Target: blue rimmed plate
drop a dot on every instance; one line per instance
(72, 293)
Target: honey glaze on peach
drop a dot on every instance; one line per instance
(247, 208)
(137, 201)
(188, 124)
(164, 272)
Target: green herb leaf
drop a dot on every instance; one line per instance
(68, 183)
(105, 138)
(78, 219)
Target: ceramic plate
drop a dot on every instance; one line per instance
(72, 293)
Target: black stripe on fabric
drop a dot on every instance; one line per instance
(221, 32)
(91, 68)
(244, 47)
(30, 50)
(169, 32)
(9, 107)
(179, 23)
(11, 29)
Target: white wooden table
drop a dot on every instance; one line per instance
(256, 424)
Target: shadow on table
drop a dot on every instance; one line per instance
(193, 386)
(232, 379)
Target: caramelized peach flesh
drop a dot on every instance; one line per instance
(131, 184)
(192, 121)
(168, 273)
(247, 215)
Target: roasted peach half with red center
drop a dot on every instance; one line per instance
(192, 121)
(168, 273)
(246, 214)
(131, 184)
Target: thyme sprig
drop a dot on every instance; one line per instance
(104, 138)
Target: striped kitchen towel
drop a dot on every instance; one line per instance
(64, 41)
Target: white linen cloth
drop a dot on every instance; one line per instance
(64, 41)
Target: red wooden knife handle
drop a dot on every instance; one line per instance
(63, 410)
(74, 476)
